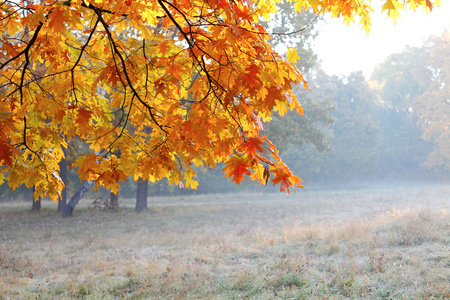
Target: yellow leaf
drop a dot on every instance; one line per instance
(190, 182)
(292, 55)
(392, 6)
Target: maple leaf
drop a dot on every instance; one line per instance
(392, 6)
(111, 178)
(6, 153)
(236, 167)
(86, 165)
(164, 47)
(251, 145)
(190, 182)
(251, 75)
(260, 172)
(110, 75)
(57, 18)
(429, 4)
(238, 173)
(83, 119)
(292, 55)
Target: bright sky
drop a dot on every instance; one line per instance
(343, 49)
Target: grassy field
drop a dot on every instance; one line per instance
(365, 244)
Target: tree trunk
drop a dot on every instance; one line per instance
(74, 200)
(141, 195)
(114, 201)
(36, 206)
(63, 175)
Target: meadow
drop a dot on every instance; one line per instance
(390, 243)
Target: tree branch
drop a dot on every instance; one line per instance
(122, 60)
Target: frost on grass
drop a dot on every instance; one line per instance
(364, 244)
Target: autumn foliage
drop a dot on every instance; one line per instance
(154, 87)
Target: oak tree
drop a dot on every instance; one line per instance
(415, 84)
(400, 147)
(433, 105)
(201, 74)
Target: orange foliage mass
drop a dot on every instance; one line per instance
(167, 84)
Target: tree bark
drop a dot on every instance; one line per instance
(74, 200)
(114, 201)
(36, 206)
(141, 195)
(63, 174)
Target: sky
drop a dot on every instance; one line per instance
(342, 49)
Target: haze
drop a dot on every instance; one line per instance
(352, 50)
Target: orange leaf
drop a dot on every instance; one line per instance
(6, 153)
(429, 4)
(164, 47)
(86, 166)
(252, 145)
(57, 20)
(251, 75)
(286, 180)
(83, 118)
(283, 179)
(237, 168)
(238, 173)
(284, 186)
(111, 178)
(109, 74)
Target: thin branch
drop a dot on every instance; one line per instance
(27, 48)
(299, 30)
(79, 58)
(95, 8)
(130, 84)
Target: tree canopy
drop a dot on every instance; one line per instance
(417, 81)
(154, 87)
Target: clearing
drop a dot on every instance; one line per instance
(364, 244)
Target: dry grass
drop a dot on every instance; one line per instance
(369, 244)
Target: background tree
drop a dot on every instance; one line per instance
(68, 209)
(141, 195)
(298, 31)
(432, 106)
(36, 205)
(414, 94)
(354, 135)
(401, 148)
